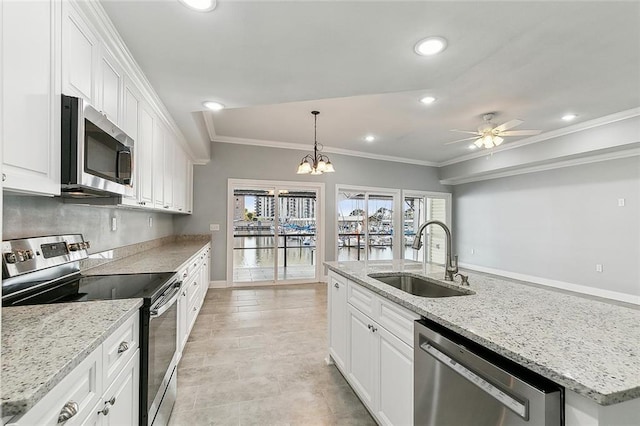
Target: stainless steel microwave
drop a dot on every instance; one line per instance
(97, 156)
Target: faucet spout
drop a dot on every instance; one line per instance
(451, 264)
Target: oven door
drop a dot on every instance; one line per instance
(163, 326)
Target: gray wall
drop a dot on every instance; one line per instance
(556, 224)
(252, 162)
(33, 216)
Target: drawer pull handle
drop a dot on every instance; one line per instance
(124, 346)
(105, 410)
(195, 309)
(336, 285)
(112, 401)
(185, 275)
(69, 410)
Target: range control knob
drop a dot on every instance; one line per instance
(10, 257)
(87, 244)
(74, 246)
(28, 255)
(20, 256)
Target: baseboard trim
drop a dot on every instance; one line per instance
(562, 285)
(218, 284)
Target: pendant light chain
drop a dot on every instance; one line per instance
(318, 163)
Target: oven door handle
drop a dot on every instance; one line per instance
(161, 308)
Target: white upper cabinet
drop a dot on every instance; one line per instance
(158, 164)
(130, 126)
(144, 161)
(30, 101)
(80, 53)
(110, 83)
(169, 169)
(180, 180)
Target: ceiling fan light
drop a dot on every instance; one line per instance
(497, 140)
(487, 141)
(478, 143)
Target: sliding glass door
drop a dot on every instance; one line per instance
(273, 230)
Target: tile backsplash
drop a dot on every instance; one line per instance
(29, 216)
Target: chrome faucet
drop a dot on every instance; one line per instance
(450, 268)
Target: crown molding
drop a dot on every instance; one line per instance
(601, 121)
(325, 149)
(549, 166)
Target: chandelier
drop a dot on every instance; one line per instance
(317, 163)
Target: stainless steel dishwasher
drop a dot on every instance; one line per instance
(458, 382)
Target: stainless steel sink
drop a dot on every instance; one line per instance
(419, 286)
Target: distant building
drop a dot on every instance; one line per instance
(290, 207)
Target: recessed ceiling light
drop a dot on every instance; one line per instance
(200, 5)
(428, 100)
(213, 106)
(569, 117)
(369, 138)
(430, 46)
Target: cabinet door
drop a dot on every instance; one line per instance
(363, 356)
(189, 193)
(80, 52)
(144, 150)
(204, 276)
(158, 164)
(183, 333)
(395, 397)
(338, 319)
(169, 164)
(122, 397)
(110, 83)
(30, 101)
(180, 178)
(130, 126)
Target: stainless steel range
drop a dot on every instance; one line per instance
(46, 270)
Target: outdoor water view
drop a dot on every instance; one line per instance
(275, 236)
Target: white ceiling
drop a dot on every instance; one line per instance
(272, 62)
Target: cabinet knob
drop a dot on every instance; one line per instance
(4, 177)
(105, 410)
(112, 401)
(124, 346)
(195, 309)
(374, 329)
(184, 275)
(184, 293)
(369, 326)
(69, 410)
(336, 285)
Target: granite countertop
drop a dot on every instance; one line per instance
(588, 346)
(41, 344)
(166, 258)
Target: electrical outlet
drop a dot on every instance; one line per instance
(473, 251)
(620, 202)
(114, 224)
(150, 222)
(598, 267)
(214, 227)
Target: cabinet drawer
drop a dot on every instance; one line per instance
(363, 299)
(83, 386)
(193, 288)
(120, 347)
(397, 320)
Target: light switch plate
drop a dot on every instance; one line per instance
(114, 224)
(620, 202)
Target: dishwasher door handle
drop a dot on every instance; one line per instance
(505, 399)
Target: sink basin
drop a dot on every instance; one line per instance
(419, 286)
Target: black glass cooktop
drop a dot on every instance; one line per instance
(81, 288)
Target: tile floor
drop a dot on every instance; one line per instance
(256, 357)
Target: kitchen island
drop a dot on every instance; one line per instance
(588, 346)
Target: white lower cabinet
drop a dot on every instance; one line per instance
(337, 298)
(378, 351)
(195, 282)
(89, 395)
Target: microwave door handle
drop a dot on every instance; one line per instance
(163, 306)
(126, 181)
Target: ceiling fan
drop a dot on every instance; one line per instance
(490, 135)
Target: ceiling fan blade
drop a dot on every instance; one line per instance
(521, 133)
(461, 140)
(466, 131)
(508, 125)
